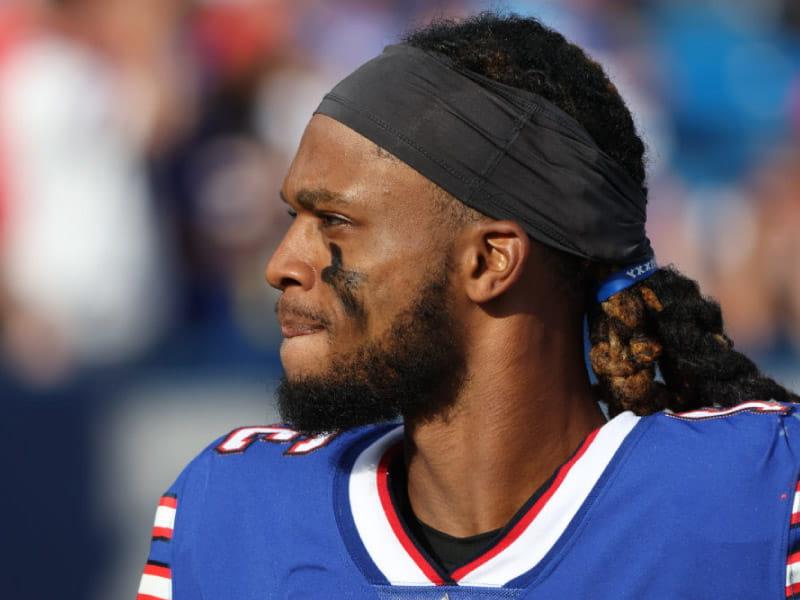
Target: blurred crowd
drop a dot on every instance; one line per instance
(142, 146)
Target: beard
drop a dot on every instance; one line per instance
(414, 370)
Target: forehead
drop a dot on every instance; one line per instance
(333, 157)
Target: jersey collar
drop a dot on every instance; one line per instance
(383, 549)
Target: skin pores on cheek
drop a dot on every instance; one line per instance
(344, 284)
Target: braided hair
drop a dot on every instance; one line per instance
(663, 323)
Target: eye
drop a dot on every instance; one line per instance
(292, 213)
(332, 220)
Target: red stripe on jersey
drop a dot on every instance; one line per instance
(394, 520)
(797, 487)
(158, 571)
(793, 558)
(147, 597)
(526, 520)
(162, 532)
(793, 589)
(168, 501)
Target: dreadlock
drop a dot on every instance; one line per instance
(663, 323)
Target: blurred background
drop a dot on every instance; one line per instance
(142, 145)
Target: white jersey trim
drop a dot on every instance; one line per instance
(515, 559)
(373, 527)
(543, 532)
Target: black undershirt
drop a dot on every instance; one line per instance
(447, 551)
(453, 552)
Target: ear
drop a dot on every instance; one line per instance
(493, 258)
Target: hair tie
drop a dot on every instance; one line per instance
(625, 278)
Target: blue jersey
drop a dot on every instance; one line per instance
(694, 505)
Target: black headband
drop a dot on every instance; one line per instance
(507, 153)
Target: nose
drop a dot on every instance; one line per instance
(288, 266)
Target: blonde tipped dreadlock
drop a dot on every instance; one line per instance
(666, 322)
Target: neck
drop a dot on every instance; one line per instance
(514, 422)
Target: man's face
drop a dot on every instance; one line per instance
(365, 309)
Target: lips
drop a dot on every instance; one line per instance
(293, 328)
(297, 320)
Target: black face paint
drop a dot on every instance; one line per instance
(344, 283)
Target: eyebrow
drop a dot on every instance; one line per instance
(309, 199)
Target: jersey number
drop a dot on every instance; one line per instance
(241, 439)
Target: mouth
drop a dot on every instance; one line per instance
(297, 321)
(291, 328)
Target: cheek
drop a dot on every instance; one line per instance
(384, 298)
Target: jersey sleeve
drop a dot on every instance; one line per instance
(169, 572)
(793, 560)
(791, 432)
(156, 581)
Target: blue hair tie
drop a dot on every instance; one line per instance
(626, 278)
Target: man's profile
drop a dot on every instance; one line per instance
(461, 205)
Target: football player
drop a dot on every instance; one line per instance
(461, 204)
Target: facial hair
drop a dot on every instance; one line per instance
(414, 370)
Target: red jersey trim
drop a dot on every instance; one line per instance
(522, 523)
(394, 520)
(529, 516)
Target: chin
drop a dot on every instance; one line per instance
(305, 355)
